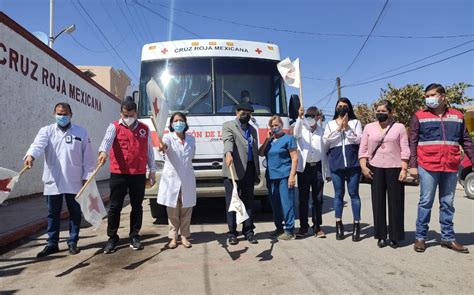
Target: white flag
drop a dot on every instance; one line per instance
(238, 207)
(158, 105)
(91, 203)
(290, 71)
(8, 179)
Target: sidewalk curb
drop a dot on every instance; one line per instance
(31, 228)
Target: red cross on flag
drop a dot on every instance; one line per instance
(91, 203)
(158, 105)
(290, 71)
(8, 179)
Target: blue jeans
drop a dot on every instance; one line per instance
(55, 204)
(339, 177)
(282, 200)
(429, 180)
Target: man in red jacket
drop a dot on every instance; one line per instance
(436, 135)
(129, 143)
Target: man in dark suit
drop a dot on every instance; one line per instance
(240, 149)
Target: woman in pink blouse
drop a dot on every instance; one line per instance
(384, 144)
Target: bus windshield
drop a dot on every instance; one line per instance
(207, 86)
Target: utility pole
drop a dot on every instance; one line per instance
(338, 82)
(51, 29)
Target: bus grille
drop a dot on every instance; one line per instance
(207, 164)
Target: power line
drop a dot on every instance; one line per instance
(129, 25)
(167, 19)
(139, 20)
(417, 61)
(106, 39)
(407, 71)
(312, 33)
(92, 50)
(367, 39)
(319, 79)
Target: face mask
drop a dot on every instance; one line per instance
(276, 130)
(311, 121)
(342, 111)
(129, 121)
(179, 126)
(381, 117)
(432, 102)
(63, 120)
(244, 119)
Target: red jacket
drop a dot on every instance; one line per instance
(435, 141)
(129, 150)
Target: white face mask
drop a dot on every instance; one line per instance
(129, 121)
(432, 101)
(311, 121)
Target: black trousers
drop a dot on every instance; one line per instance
(385, 183)
(120, 185)
(245, 188)
(311, 178)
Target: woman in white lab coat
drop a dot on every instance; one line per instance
(177, 189)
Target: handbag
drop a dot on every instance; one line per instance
(363, 178)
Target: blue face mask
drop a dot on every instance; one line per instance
(432, 102)
(63, 120)
(179, 126)
(276, 130)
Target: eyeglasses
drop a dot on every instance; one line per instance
(310, 116)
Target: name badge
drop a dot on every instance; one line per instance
(68, 138)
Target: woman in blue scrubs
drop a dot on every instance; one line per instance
(280, 151)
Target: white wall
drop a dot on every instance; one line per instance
(27, 101)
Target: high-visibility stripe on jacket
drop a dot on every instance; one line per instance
(439, 139)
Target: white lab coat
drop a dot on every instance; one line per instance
(178, 172)
(302, 133)
(68, 158)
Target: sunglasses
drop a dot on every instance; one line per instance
(310, 116)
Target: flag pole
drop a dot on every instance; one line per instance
(232, 175)
(23, 170)
(301, 85)
(89, 180)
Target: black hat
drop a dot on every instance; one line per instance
(244, 106)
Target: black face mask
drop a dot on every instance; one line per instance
(244, 119)
(381, 117)
(342, 111)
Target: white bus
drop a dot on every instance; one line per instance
(205, 79)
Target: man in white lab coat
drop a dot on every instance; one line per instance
(68, 161)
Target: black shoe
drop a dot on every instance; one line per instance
(111, 246)
(47, 251)
(274, 234)
(339, 230)
(135, 244)
(382, 243)
(232, 240)
(393, 244)
(356, 232)
(73, 250)
(251, 239)
(303, 231)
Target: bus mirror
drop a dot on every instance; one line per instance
(135, 96)
(294, 106)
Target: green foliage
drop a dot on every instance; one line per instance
(407, 100)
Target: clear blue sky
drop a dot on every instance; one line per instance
(128, 26)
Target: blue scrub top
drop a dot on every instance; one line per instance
(278, 156)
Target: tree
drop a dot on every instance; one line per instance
(407, 100)
(364, 113)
